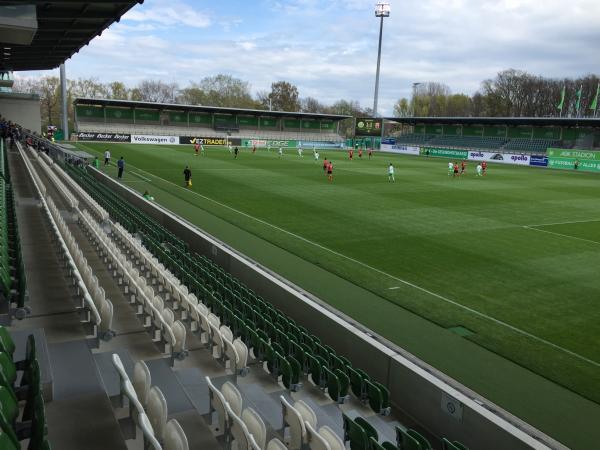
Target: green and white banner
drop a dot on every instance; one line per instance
(444, 152)
(586, 160)
(268, 143)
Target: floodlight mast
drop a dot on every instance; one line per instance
(382, 10)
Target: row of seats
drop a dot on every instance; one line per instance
(211, 288)
(205, 132)
(287, 349)
(531, 145)
(98, 308)
(13, 283)
(156, 318)
(63, 190)
(148, 409)
(466, 141)
(22, 413)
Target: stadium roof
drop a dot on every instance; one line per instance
(209, 109)
(63, 28)
(514, 121)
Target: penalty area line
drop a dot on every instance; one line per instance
(399, 280)
(561, 235)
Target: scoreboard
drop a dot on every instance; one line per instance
(368, 127)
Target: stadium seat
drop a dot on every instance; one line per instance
(232, 397)
(334, 441)
(175, 438)
(276, 444)
(142, 381)
(217, 404)
(353, 432)
(8, 404)
(150, 441)
(315, 440)
(156, 409)
(240, 435)
(6, 342)
(411, 440)
(294, 420)
(447, 445)
(378, 396)
(357, 383)
(256, 426)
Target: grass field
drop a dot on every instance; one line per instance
(509, 261)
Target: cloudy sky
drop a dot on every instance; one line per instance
(328, 48)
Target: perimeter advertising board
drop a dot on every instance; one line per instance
(444, 152)
(538, 160)
(185, 140)
(103, 137)
(268, 143)
(503, 158)
(368, 127)
(154, 140)
(585, 160)
(397, 148)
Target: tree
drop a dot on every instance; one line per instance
(156, 91)
(311, 105)
(192, 95)
(224, 90)
(117, 90)
(402, 108)
(284, 97)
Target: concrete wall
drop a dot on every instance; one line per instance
(23, 109)
(416, 389)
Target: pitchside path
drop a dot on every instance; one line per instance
(531, 397)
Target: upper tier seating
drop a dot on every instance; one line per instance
(465, 141)
(531, 145)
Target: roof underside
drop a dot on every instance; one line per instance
(208, 109)
(64, 27)
(510, 121)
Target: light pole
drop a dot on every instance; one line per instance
(382, 10)
(414, 97)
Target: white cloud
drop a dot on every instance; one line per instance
(328, 48)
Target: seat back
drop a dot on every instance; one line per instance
(142, 380)
(8, 367)
(239, 431)
(9, 404)
(150, 441)
(256, 426)
(315, 440)
(405, 441)
(226, 332)
(369, 429)
(233, 397)
(447, 445)
(293, 419)
(242, 352)
(175, 438)
(276, 444)
(334, 441)
(180, 333)
(156, 409)
(355, 434)
(307, 413)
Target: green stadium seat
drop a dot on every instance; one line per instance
(447, 445)
(8, 368)
(316, 365)
(6, 428)
(378, 396)
(369, 429)
(38, 426)
(9, 404)
(389, 446)
(6, 342)
(355, 434)
(6, 443)
(411, 440)
(357, 383)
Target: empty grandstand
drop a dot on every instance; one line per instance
(144, 118)
(526, 135)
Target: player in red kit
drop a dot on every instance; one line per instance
(484, 167)
(325, 164)
(360, 153)
(254, 148)
(370, 153)
(196, 148)
(456, 169)
(330, 171)
(351, 154)
(463, 167)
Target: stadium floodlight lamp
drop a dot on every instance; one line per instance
(382, 9)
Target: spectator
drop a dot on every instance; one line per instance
(148, 197)
(121, 167)
(96, 163)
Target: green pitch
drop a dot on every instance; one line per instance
(508, 262)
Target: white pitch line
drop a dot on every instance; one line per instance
(562, 223)
(560, 234)
(400, 280)
(393, 288)
(139, 176)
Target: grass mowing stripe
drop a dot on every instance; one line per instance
(562, 223)
(560, 234)
(408, 283)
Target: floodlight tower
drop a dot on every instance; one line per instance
(382, 10)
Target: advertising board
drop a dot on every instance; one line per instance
(498, 157)
(154, 140)
(444, 152)
(103, 137)
(185, 140)
(403, 149)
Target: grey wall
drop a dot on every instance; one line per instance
(23, 109)
(416, 392)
